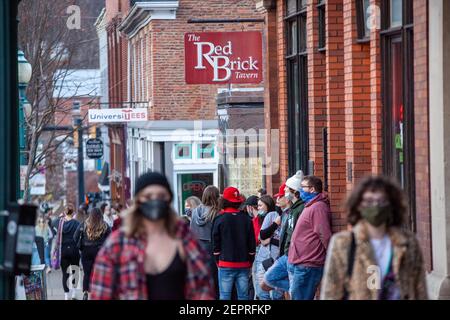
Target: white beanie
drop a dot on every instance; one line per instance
(295, 182)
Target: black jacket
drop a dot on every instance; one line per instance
(233, 240)
(85, 242)
(68, 231)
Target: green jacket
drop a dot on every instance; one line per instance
(289, 226)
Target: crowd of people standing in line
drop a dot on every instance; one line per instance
(231, 247)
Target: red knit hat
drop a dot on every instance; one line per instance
(232, 194)
(280, 191)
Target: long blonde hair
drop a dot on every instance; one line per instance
(95, 225)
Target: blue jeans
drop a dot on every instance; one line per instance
(258, 274)
(35, 259)
(47, 255)
(277, 275)
(303, 281)
(237, 276)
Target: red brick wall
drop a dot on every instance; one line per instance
(166, 44)
(357, 100)
(118, 86)
(317, 103)
(421, 126)
(282, 91)
(334, 63)
(375, 96)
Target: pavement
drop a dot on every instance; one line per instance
(55, 289)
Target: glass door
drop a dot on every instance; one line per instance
(192, 184)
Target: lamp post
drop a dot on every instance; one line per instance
(78, 126)
(24, 77)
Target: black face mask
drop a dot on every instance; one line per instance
(154, 209)
(188, 212)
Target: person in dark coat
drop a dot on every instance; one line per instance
(90, 237)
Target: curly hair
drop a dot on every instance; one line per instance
(394, 194)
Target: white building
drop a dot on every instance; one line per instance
(185, 151)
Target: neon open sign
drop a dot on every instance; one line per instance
(195, 186)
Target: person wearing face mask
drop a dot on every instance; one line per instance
(251, 207)
(377, 211)
(269, 248)
(154, 255)
(190, 204)
(276, 277)
(233, 245)
(309, 241)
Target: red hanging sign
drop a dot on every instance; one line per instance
(223, 57)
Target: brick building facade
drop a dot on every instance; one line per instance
(363, 91)
(118, 95)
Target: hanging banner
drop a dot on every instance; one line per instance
(117, 115)
(223, 57)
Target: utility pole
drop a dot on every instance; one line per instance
(79, 128)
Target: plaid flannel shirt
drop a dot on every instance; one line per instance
(123, 258)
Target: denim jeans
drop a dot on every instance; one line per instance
(303, 281)
(258, 274)
(277, 275)
(47, 255)
(237, 276)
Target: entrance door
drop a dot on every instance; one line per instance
(192, 184)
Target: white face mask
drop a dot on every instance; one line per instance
(289, 196)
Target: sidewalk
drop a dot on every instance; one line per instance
(55, 290)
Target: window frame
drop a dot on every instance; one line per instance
(189, 145)
(321, 10)
(200, 148)
(299, 60)
(361, 12)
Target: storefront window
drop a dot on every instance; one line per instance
(398, 97)
(183, 151)
(206, 151)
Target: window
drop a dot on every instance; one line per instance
(362, 17)
(183, 151)
(397, 47)
(206, 151)
(396, 13)
(321, 11)
(297, 69)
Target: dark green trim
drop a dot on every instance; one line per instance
(9, 132)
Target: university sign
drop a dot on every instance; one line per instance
(117, 115)
(223, 57)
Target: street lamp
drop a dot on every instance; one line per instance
(78, 127)
(24, 77)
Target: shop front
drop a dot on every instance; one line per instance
(185, 151)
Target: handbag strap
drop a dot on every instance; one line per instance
(350, 262)
(116, 272)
